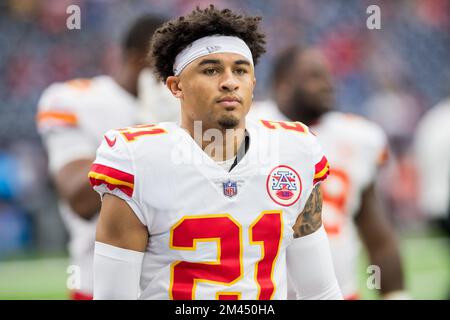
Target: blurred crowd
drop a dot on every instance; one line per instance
(392, 76)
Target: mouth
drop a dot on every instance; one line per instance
(229, 102)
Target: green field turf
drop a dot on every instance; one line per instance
(427, 268)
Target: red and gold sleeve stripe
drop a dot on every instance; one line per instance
(59, 117)
(322, 170)
(112, 178)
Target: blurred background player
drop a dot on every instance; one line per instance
(432, 154)
(303, 91)
(72, 117)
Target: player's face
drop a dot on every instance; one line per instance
(217, 89)
(312, 82)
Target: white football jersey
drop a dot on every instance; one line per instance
(354, 147)
(432, 155)
(214, 234)
(72, 118)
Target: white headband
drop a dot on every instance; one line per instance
(209, 45)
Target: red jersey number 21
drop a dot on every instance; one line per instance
(266, 231)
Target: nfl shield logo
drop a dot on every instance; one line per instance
(230, 188)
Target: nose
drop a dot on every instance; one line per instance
(229, 82)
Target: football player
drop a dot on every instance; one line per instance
(432, 150)
(355, 147)
(72, 118)
(181, 220)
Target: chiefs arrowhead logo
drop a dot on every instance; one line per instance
(110, 142)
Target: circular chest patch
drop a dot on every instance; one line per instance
(284, 185)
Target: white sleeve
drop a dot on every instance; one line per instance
(67, 145)
(432, 155)
(59, 125)
(320, 168)
(117, 272)
(310, 267)
(113, 172)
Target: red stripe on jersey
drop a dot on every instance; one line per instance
(98, 182)
(111, 178)
(113, 173)
(321, 165)
(322, 170)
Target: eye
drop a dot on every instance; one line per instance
(210, 71)
(240, 71)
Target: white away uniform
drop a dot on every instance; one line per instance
(432, 154)
(214, 234)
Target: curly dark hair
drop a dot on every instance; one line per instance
(175, 35)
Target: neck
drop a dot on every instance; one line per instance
(219, 144)
(127, 77)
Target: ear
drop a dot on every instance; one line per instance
(254, 86)
(174, 85)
